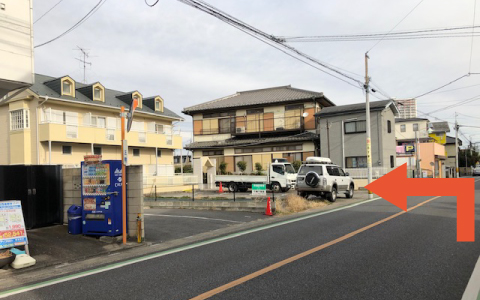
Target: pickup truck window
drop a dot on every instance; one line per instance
(278, 169)
(305, 169)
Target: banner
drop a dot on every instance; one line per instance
(12, 225)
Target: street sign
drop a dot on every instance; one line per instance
(259, 189)
(125, 152)
(12, 225)
(395, 187)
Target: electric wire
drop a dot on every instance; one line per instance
(395, 26)
(151, 5)
(442, 86)
(47, 11)
(76, 25)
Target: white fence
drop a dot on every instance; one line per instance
(359, 173)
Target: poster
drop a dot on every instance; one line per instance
(12, 225)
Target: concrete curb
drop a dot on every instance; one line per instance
(472, 292)
(253, 205)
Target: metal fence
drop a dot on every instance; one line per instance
(362, 173)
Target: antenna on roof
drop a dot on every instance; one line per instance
(84, 61)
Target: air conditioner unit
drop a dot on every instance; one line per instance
(240, 129)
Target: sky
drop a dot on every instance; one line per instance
(188, 57)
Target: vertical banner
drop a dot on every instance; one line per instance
(12, 225)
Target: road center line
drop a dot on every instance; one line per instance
(191, 217)
(301, 255)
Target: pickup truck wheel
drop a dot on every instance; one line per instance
(332, 197)
(276, 187)
(350, 192)
(232, 187)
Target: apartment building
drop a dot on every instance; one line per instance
(407, 108)
(257, 126)
(58, 121)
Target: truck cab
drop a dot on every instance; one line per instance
(282, 176)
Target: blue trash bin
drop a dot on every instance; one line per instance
(75, 219)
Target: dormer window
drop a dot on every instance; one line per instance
(97, 94)
(157, 104)
(68, 87)
(139, 97)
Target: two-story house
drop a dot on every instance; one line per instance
(343, 129)
(58, 121)
(257, 126)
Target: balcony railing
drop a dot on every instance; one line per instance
(251, 124)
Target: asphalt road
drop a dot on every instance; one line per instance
(163, 225)
(411, 256)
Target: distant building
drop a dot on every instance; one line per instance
(407, 108)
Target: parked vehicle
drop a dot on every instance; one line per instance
(319, 177)
(280, 176)
(476, 171)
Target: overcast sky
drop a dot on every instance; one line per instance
(189, 57)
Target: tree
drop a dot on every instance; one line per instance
(242, 166)
(223, 168)
(259, 168)
(296, 165)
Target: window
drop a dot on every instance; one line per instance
(294, 107)
(98, 121)
(224, 125)
(340, 171)
(159, 129)
(219, 115)
(66, 87)
(356, 127)
(291, 157)
(415, 127)
(157, 104)
(67, 149)
(389, 126)
(255, 111)
(305, 169)
(278, 169)
(19, 119)
(97, 150)
(356, 162)
(403, 128)
(392, 161)
(159, 153)
(97, 94)
(110, 134)
(333, 171)
(212, 152)
(136, 152)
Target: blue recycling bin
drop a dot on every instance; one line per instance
(75, 219)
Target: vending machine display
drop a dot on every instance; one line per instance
(102, 197)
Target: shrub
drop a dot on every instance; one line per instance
(294, 203)
(178, 170)
(242, 166)
(259, 168)
(296, 165)
(223, 168)
(187, 169)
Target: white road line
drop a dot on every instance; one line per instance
(132, 261)
(190, 217)
(473, 286)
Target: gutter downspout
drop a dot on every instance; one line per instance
(36, 130)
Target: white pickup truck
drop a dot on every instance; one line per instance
(281, 176)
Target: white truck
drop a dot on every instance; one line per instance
(281, 176)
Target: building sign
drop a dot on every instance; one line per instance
(259, 189)
(440, 138)
(410, 148)
(12, 225)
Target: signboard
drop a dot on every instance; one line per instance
(409, 148)
(259, 189)
(440, 138)
(12, 225)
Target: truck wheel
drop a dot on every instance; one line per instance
(276, 187)
(350, 192)
(232, 187)
(332, 197)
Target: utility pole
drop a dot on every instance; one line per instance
(328, 138)
(84, 61)
(369, 142)
(417, 163)
(456, 146)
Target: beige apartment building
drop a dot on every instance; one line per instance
(58, 121)
(257, 126)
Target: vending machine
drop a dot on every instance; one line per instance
(101, 197)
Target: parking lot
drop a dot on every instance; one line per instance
(162, 225)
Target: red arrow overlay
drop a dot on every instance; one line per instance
(395, 187)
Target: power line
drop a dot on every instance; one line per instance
(271, 40)
(436, 89)
(395, 25)
(47, 11)
(88, 15)
(151, 5)
(473, 32)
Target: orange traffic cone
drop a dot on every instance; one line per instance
(268, 210)
(220, 190)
